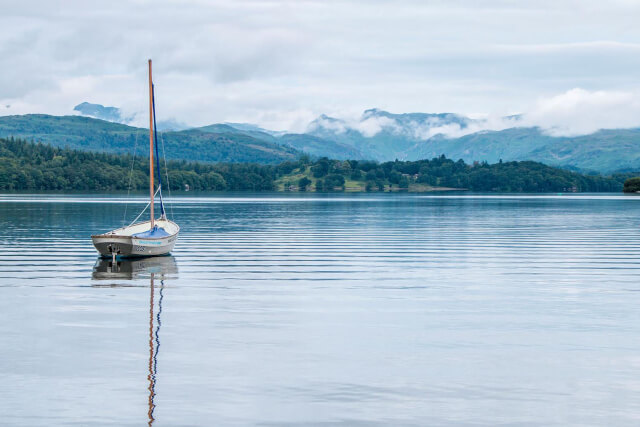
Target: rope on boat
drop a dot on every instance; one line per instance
(159, 190)
(133, 160)
(155, 143)
(166, 171)
(145, 208)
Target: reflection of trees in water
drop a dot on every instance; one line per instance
(154, 345)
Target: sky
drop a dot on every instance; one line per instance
(569, 66)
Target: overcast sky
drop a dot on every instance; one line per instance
(281, 63)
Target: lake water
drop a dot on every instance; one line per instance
(355, 310)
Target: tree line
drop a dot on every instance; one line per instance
(39, 167)
(523, 176)
(36, 166)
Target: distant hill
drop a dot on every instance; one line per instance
(384, 136)
(376, 135)
(114, 114)
(321, 147)
(89, 134)
(41, 167)
(98, 111)
(604, 151)
(380, 135)
(308, 144)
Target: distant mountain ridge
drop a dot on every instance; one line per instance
(98, 111)
(377, 135)
(90, 134)
(302, 142)
(114, 114)
(382, 136)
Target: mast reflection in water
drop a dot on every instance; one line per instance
(155, 268)
(154, 345)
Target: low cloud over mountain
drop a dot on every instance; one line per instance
(98, 111)
(587, 130)
(573, 113)
(115, 114)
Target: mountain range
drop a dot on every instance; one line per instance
(376, 135)
(90, 134)
(115, 114)
(381, 135)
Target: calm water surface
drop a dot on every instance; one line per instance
(325, 310)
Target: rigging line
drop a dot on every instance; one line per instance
(145, 208)
(133, 160)
(166, 171)
(155, 143)
(141, 93)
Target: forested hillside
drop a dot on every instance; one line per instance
(405, 137)
(84, 133)
(40, 167)
(421, 175)
(29, 166)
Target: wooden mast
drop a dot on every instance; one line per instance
(151, 144)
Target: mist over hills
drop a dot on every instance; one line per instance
(115, 114)
(376, 135)
(382, 136)
(98, 111)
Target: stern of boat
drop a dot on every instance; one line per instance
(108, 245)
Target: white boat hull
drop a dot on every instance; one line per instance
(123, 242)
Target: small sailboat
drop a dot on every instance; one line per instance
(147, 238)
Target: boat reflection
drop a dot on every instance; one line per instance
(163, 267)
(156, 269)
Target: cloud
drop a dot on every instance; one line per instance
(281, 63)
(579, 112)
(337, 126)
(371, 126)
(375, 121)
(572, 113)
